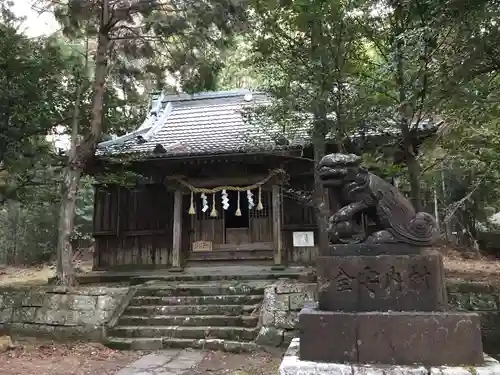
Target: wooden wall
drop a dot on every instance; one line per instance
(298, 217)
(132, 226)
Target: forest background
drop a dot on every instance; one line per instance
(356, 67)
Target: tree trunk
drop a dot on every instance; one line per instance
(89, 145)
(413, 166)
(65, 270)
(320, 197)
(409, 152)
(80, 158)
(13, 220)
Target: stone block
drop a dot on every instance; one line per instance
(450, 338)
(12, 299)
(293, 365)
(275, 302)
(33, 330)
(482, 302)
(286, 320)
(403, 338)
(24, 314)
(298, 300)
(270, 336)
(50, 316)
(6, 315)
(70, 317)
(490, 366)
(106, 302)
(327, 336)
(86, 332)
(57, 301)
(267, 318)
(34, 299)
(458, 301)
(382, 283)
(294, 287)
(81, 302)
(92, 291)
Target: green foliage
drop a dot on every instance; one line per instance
(332, 68)
(32, 101)
(309, 67)
(154, 40)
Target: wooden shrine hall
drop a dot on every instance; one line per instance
(215, 188)
(211, 190)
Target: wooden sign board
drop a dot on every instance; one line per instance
(303, 239)
(202, 246)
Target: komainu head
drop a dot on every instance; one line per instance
(340, 170)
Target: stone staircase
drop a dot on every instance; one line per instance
(213, 315)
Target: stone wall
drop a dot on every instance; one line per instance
(280, 308)
(59, 312)
(483, 299)
(284, 299)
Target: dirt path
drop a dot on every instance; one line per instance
(483, 269)
(40, 357)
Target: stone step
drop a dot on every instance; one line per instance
(158, 343)
(251, 262)
(159, 289)
(261, 275)
(153, 310)
(136, 343)
(190, 320)
(224, 333)
(211, 344)
(232, 255)
(235, 299)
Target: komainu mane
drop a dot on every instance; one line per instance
(363, 193)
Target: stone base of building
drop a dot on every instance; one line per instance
(292, 365)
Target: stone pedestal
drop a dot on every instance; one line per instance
(382, 283)
(403, 338)
(383, 307)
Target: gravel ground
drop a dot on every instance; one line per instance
(41, 357)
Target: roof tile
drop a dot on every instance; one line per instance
(197, 126)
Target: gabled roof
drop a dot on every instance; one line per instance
(204, 123)
(210, 123)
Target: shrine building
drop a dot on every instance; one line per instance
(216, 188)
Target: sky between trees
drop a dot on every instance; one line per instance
(36, 24)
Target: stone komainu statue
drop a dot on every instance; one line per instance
(363, 193)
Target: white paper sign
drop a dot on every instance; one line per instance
(303, 239)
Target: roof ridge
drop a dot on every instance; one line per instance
(209, 95)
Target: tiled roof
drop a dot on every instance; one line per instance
(207, 123)
(202, 123)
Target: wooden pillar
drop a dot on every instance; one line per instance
(277, 235)
(177, 233)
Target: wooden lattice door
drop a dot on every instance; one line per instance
(206, 227)
(260, 220)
